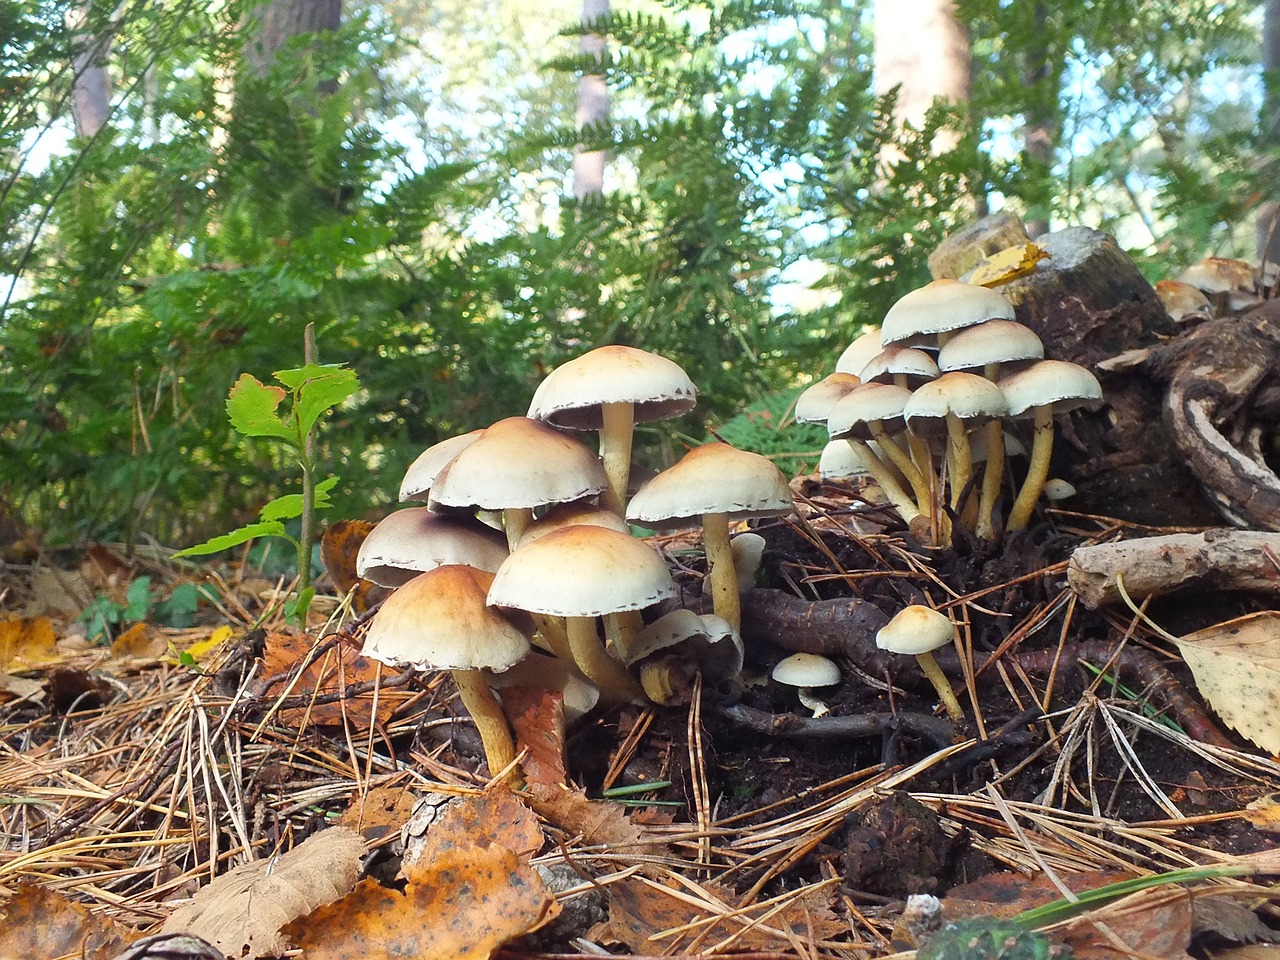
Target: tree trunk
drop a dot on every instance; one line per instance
(1268, 218)
(271, 25)
(593, 104)
(1042, 120)
(91, 86)
(923, 49)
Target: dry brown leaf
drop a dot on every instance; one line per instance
(333, 671)
(1154, 924)
(1264, 813)
(1007, 894)
(1255, 951)
(537, 720)
(27, 643)
(139, 641)
(1008, 265)
(339, 547)
(597, 822)
(496, 817)
(241, 912)
(460, 905)
(39, 923)
(379, 812)
(1236, 666)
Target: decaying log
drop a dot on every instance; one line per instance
(1150, 566)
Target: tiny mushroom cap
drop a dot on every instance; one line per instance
(856, 354)
(414, 540)
(1056, 488)
(1183, 301)
(806, 670)
(710, 640)
(966, 396)
(572, 515)
(839, 461)
(896, 361)
(870, 403)
(995, 341)
(439, 620)
(814, 405)
(940, 307)
(1058, 384)
(572, 395)
(423, 471)
(1221, 275)
(915, 630)
(714, 478)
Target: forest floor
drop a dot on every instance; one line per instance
(132, 775)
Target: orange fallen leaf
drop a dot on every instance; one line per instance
(1008, 265)
(1152, 924)
(38, 922)
(339, 547)
(494, 817)
(27, 643)
(460, 905)
(597, 822)
(379, 812)
(537, 720)
(334, 671)
(138, 641)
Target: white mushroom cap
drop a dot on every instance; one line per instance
(881, 402)
(519, 463)
(439, 620)
(1183, 300)
(940, 307)
(572, 515)
(1057, 383)
(711, 479)
(1221, 275)
(896, 360)
(856, 354)
(995, 341)
(414, 540)
(915, 630)
(1055, 489)
(424, 470)
(573, 394)
(814, 405)
(806, 670)
(710, 640)
(840, 461)
(582, 571)
(968, 396)
(579, 694)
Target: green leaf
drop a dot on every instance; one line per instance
(270, 528)
(251, 408)
(282, 508)
(138, 599)
(323, 501)
(295, 609)
(179, 610)
(323, 390)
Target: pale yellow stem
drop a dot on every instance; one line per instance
(616, 685)
(992, 477)
(486, 714)
(720, 568)
(1037, 471)
(935, 676)
(888, 483)
(902, 460)
(515, 520)
(617, 424)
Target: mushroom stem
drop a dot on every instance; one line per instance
(1037, 472)
(900, 458)
(515, 520)
(620, 630)
(617, 423)
(808, 699)
(892, 489)
(486, 713)
(553, 632)
(961, 458)
(992, 477)
(597, 666)
(720, 569)
(929, 666)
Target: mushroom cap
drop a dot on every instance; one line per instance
(806, 670)
(1055, 489)
(871, 402)
(578, 694)
(424, 470)
(1221, 275)
(968, 396)
(573, 394)
(582, 571)
(414, 540)
(940, 307)
(710, 640)
(1063, 386)
(896, 360)
(814, 405)
(1183, 300)
(713, 478)
(915, 630)
(840, 461)
(572, 515)
(856, 354)
(995, 341)
(519, 463)
(439, 620)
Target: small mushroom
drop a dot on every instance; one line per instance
(807, 671)
(917, 631)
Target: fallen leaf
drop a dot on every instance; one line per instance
(461, 905)
(201, 649)
(334, 671)
(139, 641)
(1153, 924)
(1236, 666)
(1011, 263)
(1227, 919)
(241, 913)
(73, 688)
(27, 643)
(339, 547)
(39, 923)
(1264, 813)
(379, 812)
(1006, 894)
(537, 720)
(16, 688)
(494, 817)
(597, 822)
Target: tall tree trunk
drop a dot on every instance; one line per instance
(91, 86)
(273, 24)
(1268, 220)
(923, 49)
(593, 103)
(1041, 120)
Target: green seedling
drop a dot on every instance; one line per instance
(102, 616)
(253, 408)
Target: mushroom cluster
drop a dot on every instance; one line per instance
(525, 534)
(927, 402)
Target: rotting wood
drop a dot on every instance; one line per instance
(1214, 560)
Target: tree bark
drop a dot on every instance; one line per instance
(1042, 119)
(271, 25)
(1268, 217)
(921, 48)
(593, 103)
(91, 86)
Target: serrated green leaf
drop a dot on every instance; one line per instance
(251, 408)
(323, 501)
(138, 599)
(269, 528)
(286, 507)
(295, 377)
(321, 393)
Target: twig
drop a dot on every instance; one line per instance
(933, 729)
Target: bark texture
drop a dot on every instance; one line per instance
(922, 48)
(593, 103)
(272, 24)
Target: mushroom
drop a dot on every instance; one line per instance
(581, 573)
(579, 695)
(1042, 391)
(415, 540)
(815, 403)
(668, 651)
(807, 671)
(872, 411)
(926, 317)
(439, 620)
(1184, 302)
(1233, 284)
(609, 390)
(906, 367)
(422, 473)
(856, 355)
(717, 483)
(917, 631)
